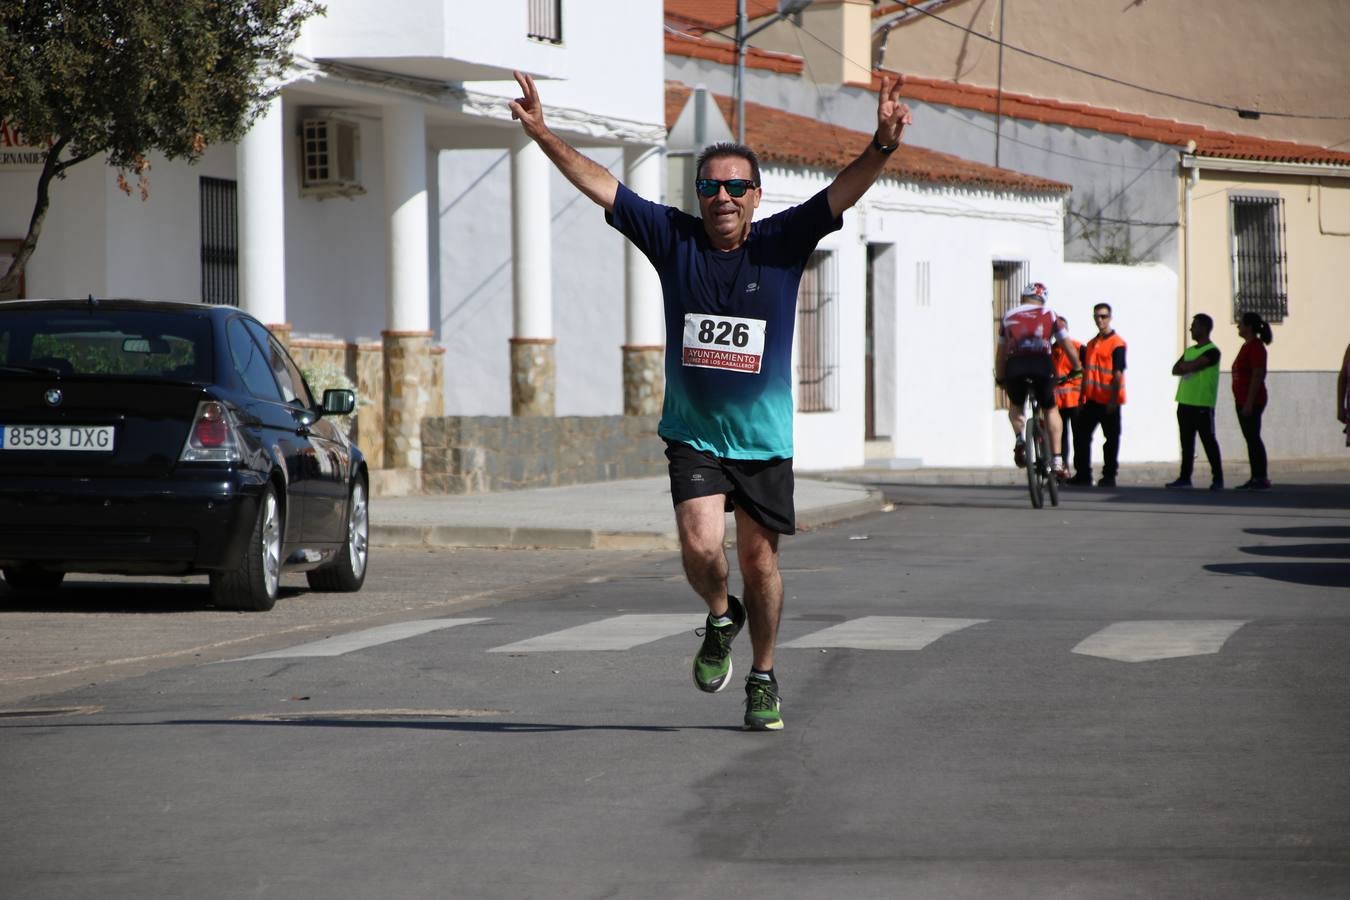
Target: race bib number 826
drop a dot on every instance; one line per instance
(723, 342)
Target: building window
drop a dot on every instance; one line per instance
(817, 335)
(546, 20)
(220, 241)
(1260, 270)
(1009, 278)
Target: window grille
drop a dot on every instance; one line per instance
(817, 335)
(1260, 270)
(220, 241)
(546, 21)
(1009, 279)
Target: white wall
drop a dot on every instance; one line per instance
(336, 248)
(942, 371)
(1144, 311)
(71, 256)
(476, 294)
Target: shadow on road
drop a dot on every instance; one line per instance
(125, 597)
(1321, 574)
(439, 724)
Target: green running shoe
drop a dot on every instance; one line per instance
(761, 705)
(712, 664)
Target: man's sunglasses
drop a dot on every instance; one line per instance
(736, 187)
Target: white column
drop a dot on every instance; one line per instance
(262, 218)
(532, 242)
(405, 185)
(644, 319)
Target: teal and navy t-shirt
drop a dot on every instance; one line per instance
(729, 322)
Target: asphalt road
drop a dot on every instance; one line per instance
(1138, 694)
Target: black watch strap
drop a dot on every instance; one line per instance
(880, 148)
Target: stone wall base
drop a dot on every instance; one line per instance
(476, 454)
(644, 380)
(533, 376)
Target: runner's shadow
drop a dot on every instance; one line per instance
(477, 726)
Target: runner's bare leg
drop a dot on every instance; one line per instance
(757, 553)
(702, 525)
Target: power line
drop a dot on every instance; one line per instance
(1245, 113)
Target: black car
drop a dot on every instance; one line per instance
(162, 438)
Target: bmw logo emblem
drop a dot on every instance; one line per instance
(53, 396)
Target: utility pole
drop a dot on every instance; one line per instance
(785, 9)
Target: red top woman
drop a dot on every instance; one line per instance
(1249, 391)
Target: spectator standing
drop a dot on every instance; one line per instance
(1068, 390)
(1197, 394)
(1103, 395)
(1249, 391)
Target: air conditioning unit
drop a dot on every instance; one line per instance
(330, 157)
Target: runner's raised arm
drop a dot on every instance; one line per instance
(591, 178)
(893, 114)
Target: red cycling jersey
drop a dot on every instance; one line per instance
(1026, 330)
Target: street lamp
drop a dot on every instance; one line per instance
(785, 9)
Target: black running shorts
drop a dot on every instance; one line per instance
(1017, 368)
(761, 487)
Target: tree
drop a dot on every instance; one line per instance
(123, 78)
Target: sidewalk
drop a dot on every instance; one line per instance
(636, 514)
(633, 514)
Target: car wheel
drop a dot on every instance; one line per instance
(348, 571)
(30, 578)
(254, 582)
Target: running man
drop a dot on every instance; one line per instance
(1024, 352)
(730, 291)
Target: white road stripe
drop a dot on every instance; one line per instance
(359, 640)
(616, 633)
(1144, 641)
(884, 633)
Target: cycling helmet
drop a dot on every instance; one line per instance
(1037, 290)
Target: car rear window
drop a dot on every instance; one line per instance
(114, 343)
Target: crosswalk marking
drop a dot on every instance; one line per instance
(1145, 641)
(615, 633)
(1137, 641)
(884, 633)
(359, 640)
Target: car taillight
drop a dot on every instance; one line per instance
(212, 437)
(210, 429)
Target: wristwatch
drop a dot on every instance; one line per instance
(880, 148)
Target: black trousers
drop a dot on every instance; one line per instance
(1069, 416)
(1193, 420)
(1256, 448)
(1090, 415)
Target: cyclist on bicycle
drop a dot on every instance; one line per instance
(1024, 353)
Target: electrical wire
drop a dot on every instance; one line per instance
(1120, 81)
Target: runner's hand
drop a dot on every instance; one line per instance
(893, 114)
(527, 109)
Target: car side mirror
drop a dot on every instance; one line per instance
(338, 401)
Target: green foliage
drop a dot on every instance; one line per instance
(322, 376)
(126, 77)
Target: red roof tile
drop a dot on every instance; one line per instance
(783, 137)
(711, 15)
(1110, 121)
(724, 52)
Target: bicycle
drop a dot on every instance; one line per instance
(1041, 478)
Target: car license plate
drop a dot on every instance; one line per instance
(87, 438)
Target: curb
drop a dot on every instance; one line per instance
(525, 538)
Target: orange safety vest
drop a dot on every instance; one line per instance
(1097, 369)
(1070, 393)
